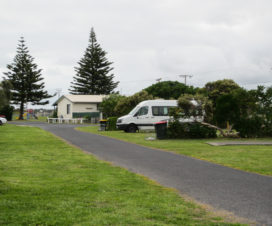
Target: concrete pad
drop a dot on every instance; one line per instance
(226, 143)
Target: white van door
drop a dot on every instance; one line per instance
(143, 118)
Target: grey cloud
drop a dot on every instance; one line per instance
(145, 39)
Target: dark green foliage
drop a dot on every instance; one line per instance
(248, 111)
(177, 130)
(5, 92)
(93, 73)
(5, 96)
(227, 110)
(264, 109)
(250, 127)
(220, 87)
(126, 104)
(266, 130)
(109, 103)
(264, 104)
(111, 123)
(214, 90)
(7, 110)
(240, 103)
(255, 118)
(55, 113)
(169, 90)
(26, 80)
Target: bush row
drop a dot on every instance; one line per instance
(7, 111)
(253, 127)
(189, 130)
(111, 123)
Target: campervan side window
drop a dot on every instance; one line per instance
(160, 111)
(142, 111)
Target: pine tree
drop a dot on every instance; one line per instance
(93, 75)
(26, 80)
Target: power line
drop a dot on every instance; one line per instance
(185, 77)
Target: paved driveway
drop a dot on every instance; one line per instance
(244, 194)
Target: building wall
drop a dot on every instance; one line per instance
(74, 107)
(62, 108)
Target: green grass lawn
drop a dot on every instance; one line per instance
(44, 181)
(40, 119)
(257, 159)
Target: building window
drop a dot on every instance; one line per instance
(68, 109)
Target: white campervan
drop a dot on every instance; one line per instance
(145, 115)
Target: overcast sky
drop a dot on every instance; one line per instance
(145, 40)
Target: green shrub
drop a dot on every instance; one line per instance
(250, 127)
(267, 129)
(111, 123)
(7, 110)
(189, 130)
(55, 113)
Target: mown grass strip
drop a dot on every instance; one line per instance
(256, 159)
(44, 181)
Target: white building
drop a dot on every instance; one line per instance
(79, 106)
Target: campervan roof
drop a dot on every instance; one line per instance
(159, 102)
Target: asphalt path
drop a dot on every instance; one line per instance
(247, 195)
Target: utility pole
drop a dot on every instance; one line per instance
(58, 91)
(185, 77)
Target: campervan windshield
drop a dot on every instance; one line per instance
(134, 110)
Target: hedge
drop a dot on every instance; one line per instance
(189, 130)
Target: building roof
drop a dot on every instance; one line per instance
(81, 98)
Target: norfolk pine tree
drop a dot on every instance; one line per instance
(93, 75)
(26, 80)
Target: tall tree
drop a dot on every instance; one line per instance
(26, 79)
(109, 103)
(169, 89)
(220, 87)
(93, 75)
(125, 105)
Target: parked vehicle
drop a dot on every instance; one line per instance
(146, 114)
(2, 121)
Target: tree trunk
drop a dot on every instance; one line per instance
(214, 127)
(21, 111)
(228, 134)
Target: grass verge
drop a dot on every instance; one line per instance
(256, 159)
(44, 181)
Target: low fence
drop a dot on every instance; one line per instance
(65, 120)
